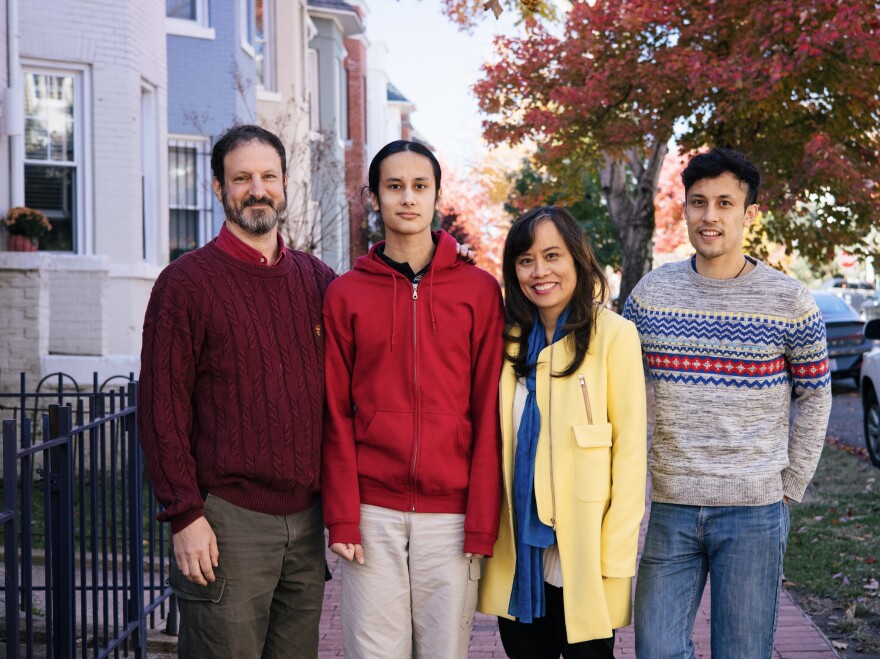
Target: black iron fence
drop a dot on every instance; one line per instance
(84, 560)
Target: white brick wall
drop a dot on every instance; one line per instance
(24, 321)
(122, 47)
(78, 302)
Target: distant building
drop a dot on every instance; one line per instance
(107, 124)
(398, 114)
(83, 139)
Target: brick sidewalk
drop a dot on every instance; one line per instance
(796, 637)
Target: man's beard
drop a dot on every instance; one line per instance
(258, 222)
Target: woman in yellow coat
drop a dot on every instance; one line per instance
(573, 450)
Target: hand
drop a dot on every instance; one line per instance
(196, 553)
(348, 551)
(785, 500)
(470, 554)
(465, 252)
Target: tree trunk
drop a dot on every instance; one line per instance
(629, 185)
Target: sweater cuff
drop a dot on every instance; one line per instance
(793, 486)
(184, 519)
(347, 532)
(479, 543)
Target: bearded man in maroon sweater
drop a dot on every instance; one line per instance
(230, 412)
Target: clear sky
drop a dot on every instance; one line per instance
(434, 64)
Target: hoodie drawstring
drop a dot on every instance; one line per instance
(430, 276)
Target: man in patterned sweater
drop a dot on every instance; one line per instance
(230, 411)
(726, 338)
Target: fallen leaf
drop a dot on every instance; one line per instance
(872, 585)
(819, 518)
(839, 645)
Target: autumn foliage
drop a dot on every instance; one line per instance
(670, 231)
(792, 83)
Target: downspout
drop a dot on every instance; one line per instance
(14, 106)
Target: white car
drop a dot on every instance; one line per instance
(869, 388)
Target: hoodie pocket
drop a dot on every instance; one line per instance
(443, 462)
(384, 450)
(592, 461)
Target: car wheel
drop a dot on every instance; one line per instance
(872, 427)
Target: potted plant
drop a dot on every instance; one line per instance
(25, 226)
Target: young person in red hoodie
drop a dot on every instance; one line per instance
(411, 454)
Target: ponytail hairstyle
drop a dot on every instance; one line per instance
(399, 146)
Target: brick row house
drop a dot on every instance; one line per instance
(108, 112)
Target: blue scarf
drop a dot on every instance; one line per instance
(531, 534)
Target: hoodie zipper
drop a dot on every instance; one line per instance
(586, 399)
(550, 435)
(417, 416)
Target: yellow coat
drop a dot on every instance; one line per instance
(596, 488)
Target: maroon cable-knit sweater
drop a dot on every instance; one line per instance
(230, 398)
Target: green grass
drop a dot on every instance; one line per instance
(834, 543)
(833, 559)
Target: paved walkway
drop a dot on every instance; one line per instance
(796, 637)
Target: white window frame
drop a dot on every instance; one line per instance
(150, 170)
(198, 28)
(204, 194)
(269, 84)
(83, 230)
(246, 19)
(313, 78)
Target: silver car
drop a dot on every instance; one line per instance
(869, 387)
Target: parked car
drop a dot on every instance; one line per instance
(842, 282)
(854, 292)
(870, 308)
(869, 388)
(846, 335)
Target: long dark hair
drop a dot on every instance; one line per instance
(589, 291)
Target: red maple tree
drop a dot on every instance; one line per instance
(792, 83)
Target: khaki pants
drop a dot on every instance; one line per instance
(266, 600)
(416, 594)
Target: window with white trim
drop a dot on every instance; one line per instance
(258, 39)
(53, 166)
(188, 18)
(264, 43)
(188, 10)
(189, 195)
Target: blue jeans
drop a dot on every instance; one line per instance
(740, 548)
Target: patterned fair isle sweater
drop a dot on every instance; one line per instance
(723, 355)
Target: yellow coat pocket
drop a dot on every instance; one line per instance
(592, 461)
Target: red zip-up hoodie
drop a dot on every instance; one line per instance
(411, 374)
